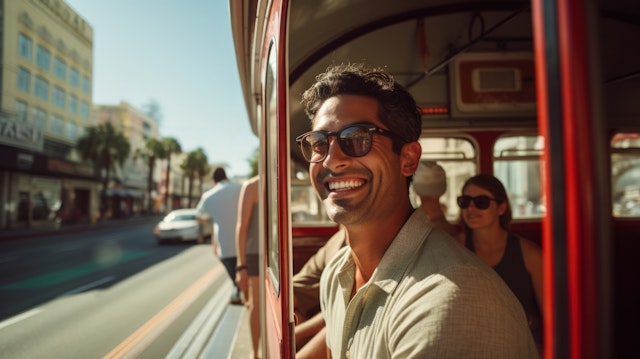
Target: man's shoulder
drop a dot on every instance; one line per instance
(229, 186)
(444, 259)
(446, 268)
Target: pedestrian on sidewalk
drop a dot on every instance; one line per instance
(219, 207)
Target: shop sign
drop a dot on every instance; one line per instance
(59, 166)
(20, 134)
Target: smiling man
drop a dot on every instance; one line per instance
(401, 288)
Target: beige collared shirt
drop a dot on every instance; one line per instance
(428, 298)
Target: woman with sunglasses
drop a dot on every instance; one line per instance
(486, 219)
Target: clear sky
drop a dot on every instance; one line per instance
(180, 54)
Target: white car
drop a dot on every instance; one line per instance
(181, 225)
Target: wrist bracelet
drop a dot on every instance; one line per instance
(239, 268)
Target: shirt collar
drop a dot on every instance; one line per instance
(396, 259)
(402, 251)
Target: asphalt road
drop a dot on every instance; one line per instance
(107, 293)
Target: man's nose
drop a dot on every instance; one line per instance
(335, 156)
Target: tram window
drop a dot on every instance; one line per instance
(516, 163)
(306, 208)
(271, 120)
(625, 174)
(458, 158)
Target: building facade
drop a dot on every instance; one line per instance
(129, 192)
(45, 105)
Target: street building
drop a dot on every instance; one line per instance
(46, 81)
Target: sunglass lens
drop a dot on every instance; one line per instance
(464, 201)
(314, 147)
(355, 141)
(482, 202)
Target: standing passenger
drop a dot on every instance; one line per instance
(430, 183)
(486, 219)
(247, 245)
(401, 288)
(220, 205)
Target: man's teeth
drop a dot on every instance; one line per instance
(345, 185)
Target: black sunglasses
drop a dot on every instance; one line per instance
(481, 202)
(354, 141)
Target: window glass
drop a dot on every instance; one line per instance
(24, 79)
(39, 118)
(517, 165)
(43, 58)
(60, 68)
(625, 174)
(71, 130)
(73, 104)
(306, 207)
(74, 77)
(59, 97)
(86, 85)
(22, 111)
(271, 120)
(42, 88)
(84, 110)
(458, 157)
(24, 46)
(57, 125)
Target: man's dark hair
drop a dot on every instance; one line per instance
(398, 109)
(219, 175)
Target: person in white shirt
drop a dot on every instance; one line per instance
(219, 207)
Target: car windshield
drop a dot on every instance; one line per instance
(180, 217)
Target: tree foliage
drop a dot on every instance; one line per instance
(152, 151)
(171, 147)
(106, 148)
(253, 162)
(195, 165)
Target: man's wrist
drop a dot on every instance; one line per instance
(241, 267)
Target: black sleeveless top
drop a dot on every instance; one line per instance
(513, 271)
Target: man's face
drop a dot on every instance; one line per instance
(356, 189)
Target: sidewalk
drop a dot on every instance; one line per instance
(48, 229)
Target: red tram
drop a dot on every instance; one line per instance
(544, 94)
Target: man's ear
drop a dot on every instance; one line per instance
(410, 158)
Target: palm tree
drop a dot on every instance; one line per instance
(195, 164)
(253, 162)
(105, 147)
(171, 146)
(153, 150)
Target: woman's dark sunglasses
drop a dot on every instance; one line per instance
(481, 202)
(354, 141)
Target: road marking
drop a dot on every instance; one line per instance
(141, 338)
(20, 317)
(89, 285)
